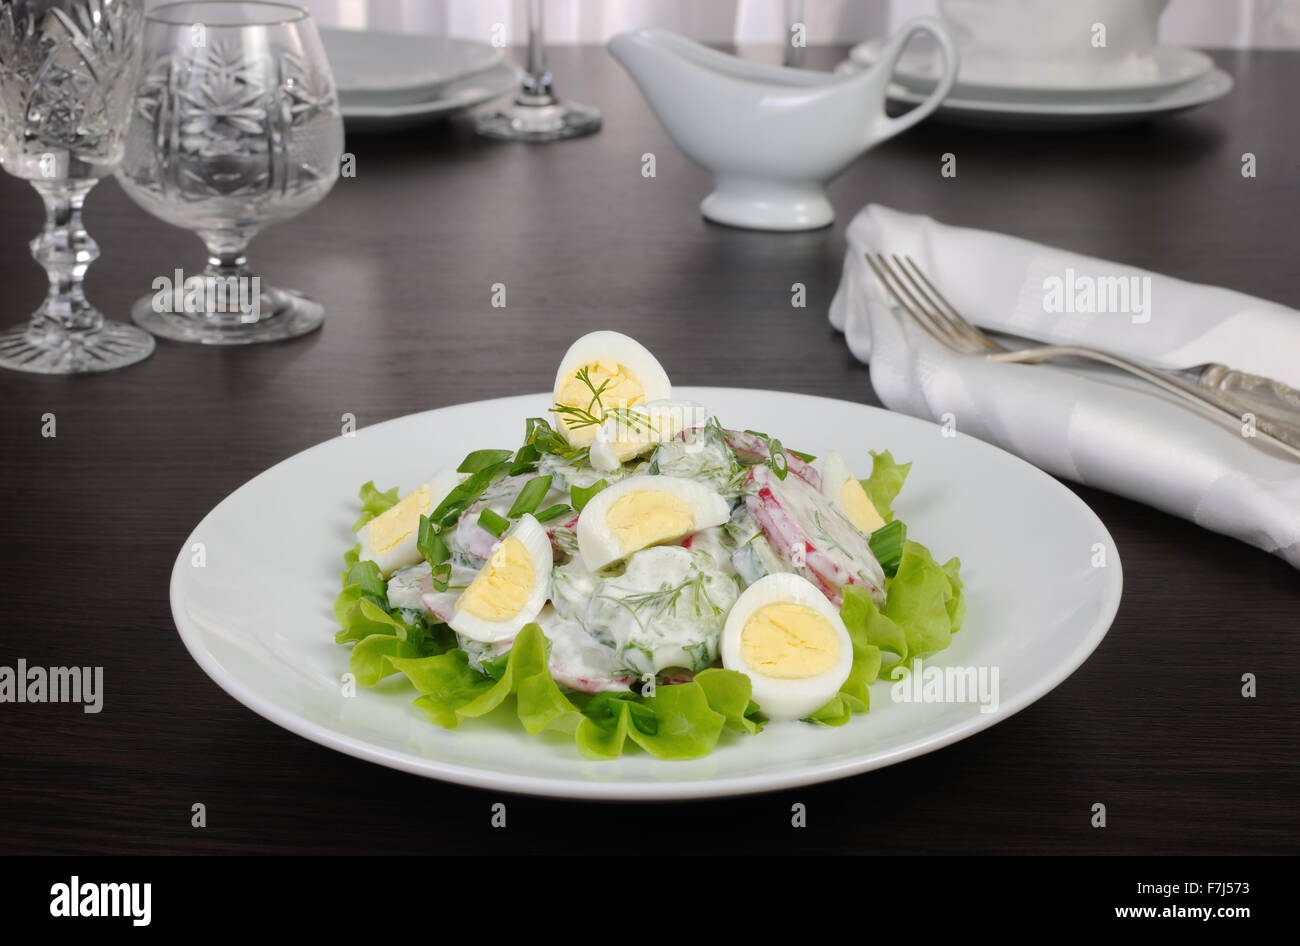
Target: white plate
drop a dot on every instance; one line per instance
(448, 100)
(1072, 115)
(257, 616)
(377, 68)
(920, 67)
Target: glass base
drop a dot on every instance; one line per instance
(548, 119)
(45, 347)
(283, 314)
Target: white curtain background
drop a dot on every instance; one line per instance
(1229, 23)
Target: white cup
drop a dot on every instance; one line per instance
(1066, 40)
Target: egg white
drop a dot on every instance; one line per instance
(619, 439)
(537, 545)
(782, 699)
(597, 543)
(606, 346)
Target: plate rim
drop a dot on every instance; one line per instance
(646, 791)
(495, 55)
(858, 54)
(1210, 87)
(430, 108)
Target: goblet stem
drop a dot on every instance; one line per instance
(536, 114)
(67, 335)
(793, 55)
(226, 257)
(66, 250)
(537, 76)
(233, 291)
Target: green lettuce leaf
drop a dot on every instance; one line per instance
(866, 631)
(728, 693)
(373, 502)
(884, 483)
(362, 617)
(924, 601)
(924, 607)
(678, 722)
(370, 661)
(452, 690)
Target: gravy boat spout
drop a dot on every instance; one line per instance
(771, 136)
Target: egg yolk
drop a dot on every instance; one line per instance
(621, 389)
(398, 522)
(789, 642)
(646, 516)
(859, 507)
(503, 586)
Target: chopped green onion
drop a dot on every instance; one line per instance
(465, 494)
(530, 497)
(553, 512)
(441, 576)
(757, 433)
(482, 459)
(430, 543)
(580, 496)
(541, 435)
(777, 460)
(493, 523)
(805, 457)
(887, 545)
(526, 458)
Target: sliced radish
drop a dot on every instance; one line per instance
(811, 536)
(751, 448)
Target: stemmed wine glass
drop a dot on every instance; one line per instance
(792, 55)
(236, 125)
(536, 114)
(66, 72)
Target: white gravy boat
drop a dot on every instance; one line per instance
(771, 136)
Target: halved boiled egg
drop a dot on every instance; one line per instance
(603, 370)
(843, 489)
(389, 539)
(511, 587)
(635, 431)
(645, 510)
(789, 640)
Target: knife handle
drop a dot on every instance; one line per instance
(1260, 395)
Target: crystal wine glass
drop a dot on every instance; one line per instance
(792, 56)
(536, 114)
(236, 125)
(66, 72)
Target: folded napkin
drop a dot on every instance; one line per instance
(1095, 426)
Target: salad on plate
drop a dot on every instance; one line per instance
(637, 574)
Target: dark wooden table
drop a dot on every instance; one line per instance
(404, 256)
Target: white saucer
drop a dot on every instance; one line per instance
(377, 68)
(1068, 114)
(446, 100)
(988, 78)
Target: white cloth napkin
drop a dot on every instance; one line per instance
(1095, 427)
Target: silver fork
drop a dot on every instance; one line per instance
(1214, 389)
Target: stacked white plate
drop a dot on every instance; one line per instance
(390, 81)
(993, 92)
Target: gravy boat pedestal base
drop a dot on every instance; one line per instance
(767, 205)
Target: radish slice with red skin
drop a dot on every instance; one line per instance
(812, 538)
(751, 448)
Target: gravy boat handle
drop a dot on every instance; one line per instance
(887, 127)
